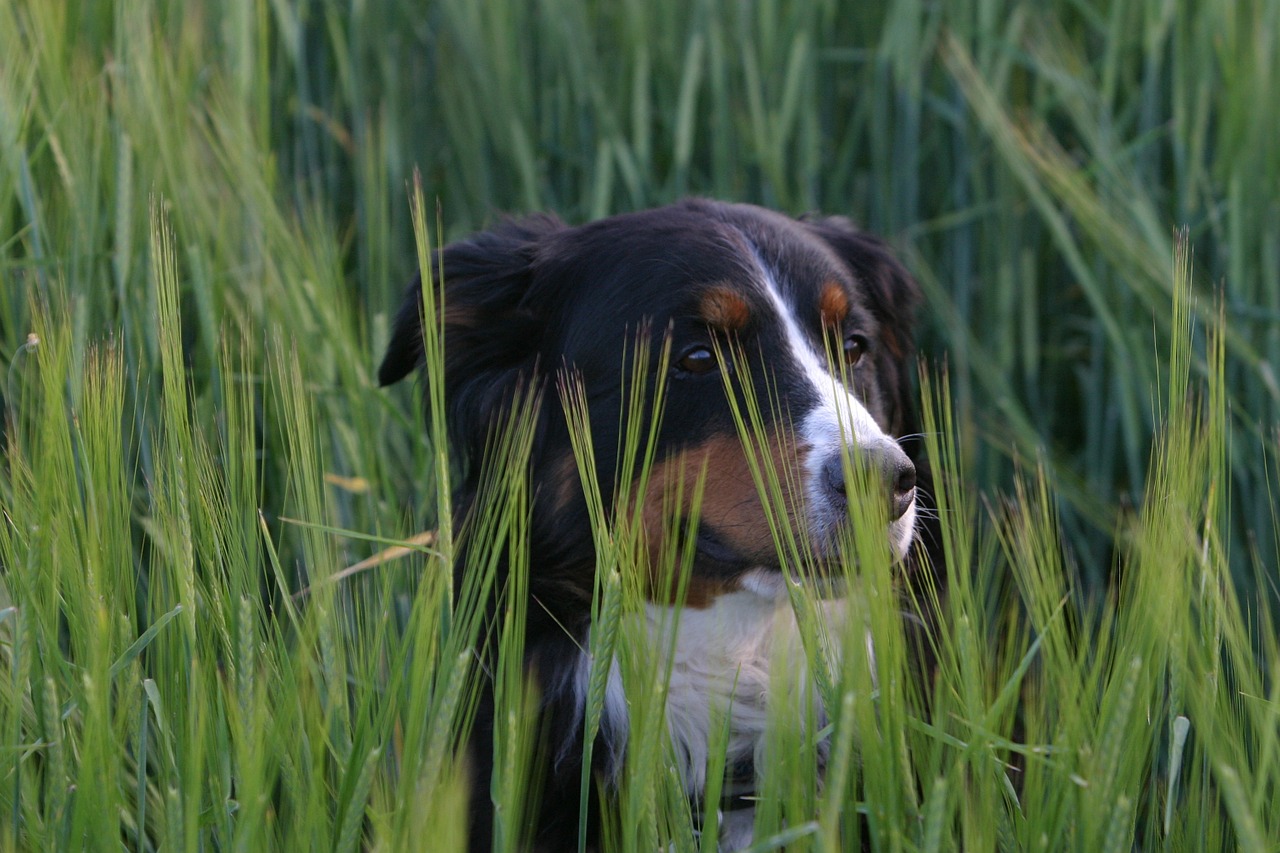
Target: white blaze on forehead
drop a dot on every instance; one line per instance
(839, 418)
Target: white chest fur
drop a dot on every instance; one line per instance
(723, 661)
(723, 664)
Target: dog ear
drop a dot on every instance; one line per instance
(893, 296)
(491, 328)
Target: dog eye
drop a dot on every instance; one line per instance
(855, 346)
(698, 361)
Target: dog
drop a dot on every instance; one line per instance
(812, 315)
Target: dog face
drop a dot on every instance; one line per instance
(817, 313)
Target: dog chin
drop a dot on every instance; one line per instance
(771, 583)
(902, 533)
(829, 581)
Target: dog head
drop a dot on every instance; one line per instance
(811, 319)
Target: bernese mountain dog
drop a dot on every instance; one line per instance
(819, 316)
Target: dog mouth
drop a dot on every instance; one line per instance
(718, 558)
(721, 556)
(822, 565)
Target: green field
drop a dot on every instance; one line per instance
(205, 222)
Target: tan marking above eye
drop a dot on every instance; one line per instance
(833, 304)
(724, 309)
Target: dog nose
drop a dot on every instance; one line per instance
(902, 481)
(893, 468)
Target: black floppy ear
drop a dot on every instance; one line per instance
(893, 296)
(491, 331)
(404, 350)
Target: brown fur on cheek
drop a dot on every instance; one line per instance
(731, 509)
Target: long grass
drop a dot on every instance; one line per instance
(208, 636)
